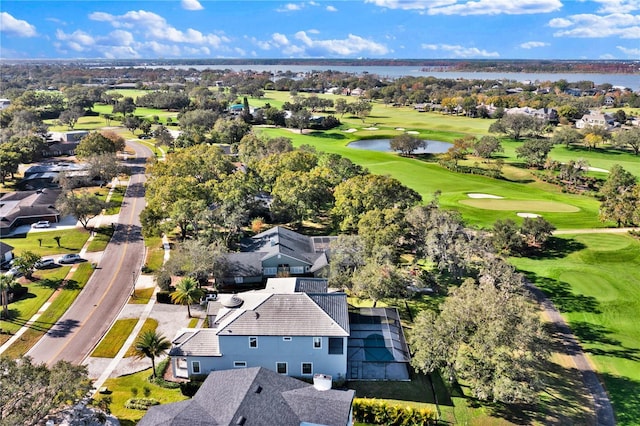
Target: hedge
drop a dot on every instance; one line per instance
(140, 403)
(376, 412)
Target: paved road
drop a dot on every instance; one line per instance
(602, 404)
(74, 336)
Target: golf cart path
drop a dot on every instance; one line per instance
(595, 231)
(602, 404)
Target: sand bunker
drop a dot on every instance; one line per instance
(528, 215)
(597, 169)
(350, 130)
(475, 195)
(370, 128)
(400, 129)
(413, 132)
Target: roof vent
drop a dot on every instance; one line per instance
(241, 420)
(233, 302)
(259, 389)
(322, 382)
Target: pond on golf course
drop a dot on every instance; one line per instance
(433, 147)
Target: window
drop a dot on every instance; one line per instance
(336, 346)
(286, 338)
(253, 342)
(239, 364)
(195, 367)
(307, 368)
(317, 342)
(281, 367)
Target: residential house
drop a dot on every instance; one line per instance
(70, 136)
(257, 396)
(595, 119)
(548, 114)
(296, 327)
(41, 176)
(27, 207)
(277, 252)
(6, 253)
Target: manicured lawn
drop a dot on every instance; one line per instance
(155, 253)
(149, 325)
(594, 280)
(142, 296)
(101, 238)
(114, 339)
(57, 308)
(71, 241)
(120, 389)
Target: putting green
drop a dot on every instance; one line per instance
(520, 205)
(590, 283)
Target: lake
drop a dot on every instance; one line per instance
(433, 147)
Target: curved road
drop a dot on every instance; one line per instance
(77, 332)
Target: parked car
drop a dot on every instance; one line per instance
(14, 272)
(41, 224)
(70, 258)
(45, 263)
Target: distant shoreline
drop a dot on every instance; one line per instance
(440, 65)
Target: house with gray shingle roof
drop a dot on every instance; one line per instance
(27, 207)
(294, 326)
(256, 396)
(277, 252)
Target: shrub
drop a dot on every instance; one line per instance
(190, 388)
(140, 403)
(381, 413)
(164, 297)
(159, 380)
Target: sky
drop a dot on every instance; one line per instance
(386, 29)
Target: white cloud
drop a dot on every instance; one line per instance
(352, 45)
(618, 6)
(631, 52)
(18, 27)
(331, 9)
(121, 37)
(457, 51)
(280, 39)
(596, 26)
(77, 40)
(154, 27)
(472, 7)
(533, 44)
(191, 5)
(290, 7)
(559, 23)
(607, 56)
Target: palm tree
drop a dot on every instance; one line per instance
(6, 282)
(151, 344)
(187, 293)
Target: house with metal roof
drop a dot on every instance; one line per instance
(277, 252)
(296, 333)
(257, 396)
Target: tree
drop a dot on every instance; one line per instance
(506, 237)
(132, 123)
(406, 144)
(340, 106)
(536, 231)
(26, 262)
(489, 336)
(376, 281)
(361, 108)
(82, 206)
(163, 136)
(300, 195)
(187, 293)
(619, 195)
(6, 283)
(95, 143)
(487, 146)
(300, 119)
(383, 234)
(124, 106)
(151, 344)
(567, 136)
(347, 256)
(105, 166)
(628, 138)
(460, 149)
(30, 392)
(518, 125)
(534, 151)
(199, 260)
(360, 194)
(231, 131)
(595, 135)
(70, 117)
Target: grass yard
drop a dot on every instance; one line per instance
(142, 296)
(111, 343)
(53, 313)
(120, 389)
(101, 238)
(155, 254)
(149, 325)
(595, 283)
(71, 241)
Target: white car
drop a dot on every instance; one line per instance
(42, 224)
(70, 258)
(45, 263)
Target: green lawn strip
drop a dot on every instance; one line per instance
(193, 322)
(44, 284)
(120, 392)
(155, 253)
(593, 280)
(57, 308)
(142, 296)
(117, 195)
(100, 239)
(114, 339)
(71, 241)
(84, 123)
(149, 325)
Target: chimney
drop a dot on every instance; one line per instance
(322, 382)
